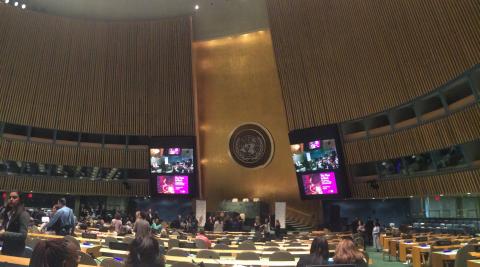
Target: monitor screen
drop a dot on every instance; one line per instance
(172, 184)
(315, 156)
(323, 183)
(171, 160)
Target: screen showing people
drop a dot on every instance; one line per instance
(172, 184)
(320, 183)
(314, 156)
(171, 160)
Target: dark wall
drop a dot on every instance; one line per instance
(387, 211)
(167, 209)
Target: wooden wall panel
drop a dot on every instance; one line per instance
(132, 77)
(344, 59)
(449, 183)
(73, 186)
(460, 127)
(73, 155)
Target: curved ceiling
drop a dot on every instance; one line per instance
(214, 18)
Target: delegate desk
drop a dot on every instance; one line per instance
(230, 262)
(402, 249)
(473, 263)
(439, 258)
(22, 261)
(417, 252)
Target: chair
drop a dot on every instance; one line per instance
(294, 244)
(271, 244)
(207, 254)
(31, 242)
(89, 235)
(272, 249)
(221, 246)
(72, 239)
(246, 246)
(463, 255)
(281, 256)
(109, 239)
(173, 243)
(128, 239)
(109, 262)
(199, 243)
(86, 259)
(184, 264)
(27, 252)
(177, 252)
(252, 256)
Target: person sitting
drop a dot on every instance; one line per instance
(55, 253)
(347, 253)
(201, 235)
(156, 226)
(144, 252)
(318, 253)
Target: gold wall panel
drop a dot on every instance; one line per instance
(237, 82)
(457, 128)
(344, 59)
(450, 183)
(73, 186)
(73, 155)
(132, 77)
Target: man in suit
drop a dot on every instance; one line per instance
(14, 226)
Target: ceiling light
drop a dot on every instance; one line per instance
(24, 6)
(15, 4)
(197, 7)
(7, 1)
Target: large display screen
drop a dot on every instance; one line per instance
(171, 160)
(320, 184)
(315, 156)
(172, 184)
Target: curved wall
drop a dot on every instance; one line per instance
(131, 77)
(344, 59)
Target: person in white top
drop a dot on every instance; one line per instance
(376, 236)
(218, 226)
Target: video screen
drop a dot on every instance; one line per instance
(171, 160)
(172, 184)
(320, 184)
(314, 156)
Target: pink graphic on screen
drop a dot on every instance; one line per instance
(174, 151)
(320, 183)
(174, 184)
(314, 144)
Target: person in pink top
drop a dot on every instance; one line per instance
(201, 236)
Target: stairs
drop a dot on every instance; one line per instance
(294, 225)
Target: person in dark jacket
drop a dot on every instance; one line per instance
(318, 253)
(14, 226)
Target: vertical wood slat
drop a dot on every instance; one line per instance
(94, 76)
(450, 183)
(457, 128)
(344, 59)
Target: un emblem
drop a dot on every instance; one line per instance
(251, 145)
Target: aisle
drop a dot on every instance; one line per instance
(378, 262)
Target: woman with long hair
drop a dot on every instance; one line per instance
(347, 253)
(318, 253)
(144, 252)
(14, 226)
(55, 253)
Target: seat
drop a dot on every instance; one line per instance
(294, 244)
(246, 245)
(109, 239)
(31, 242)
(248, 256)
(177, 252)
(221, 246)
(463, 255)
(207, 254)
(281, 256)
(271, 244)
(173, 243)
(272, 249)
(109, 262)
(199, 243)
(87, 259)
(184, 264)
(27, 252)
(128, 240)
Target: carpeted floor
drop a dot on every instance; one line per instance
(376, 257)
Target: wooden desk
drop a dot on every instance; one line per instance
(473, 263)
(438, 258)
(402, 253)
(22, 261)
(229, 262)
(80, 239)
(417, 254)
(91, 249)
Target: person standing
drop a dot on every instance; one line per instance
(63, 222)
(376, 236)
(15, 225)
(368, 229)
(141, 227)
